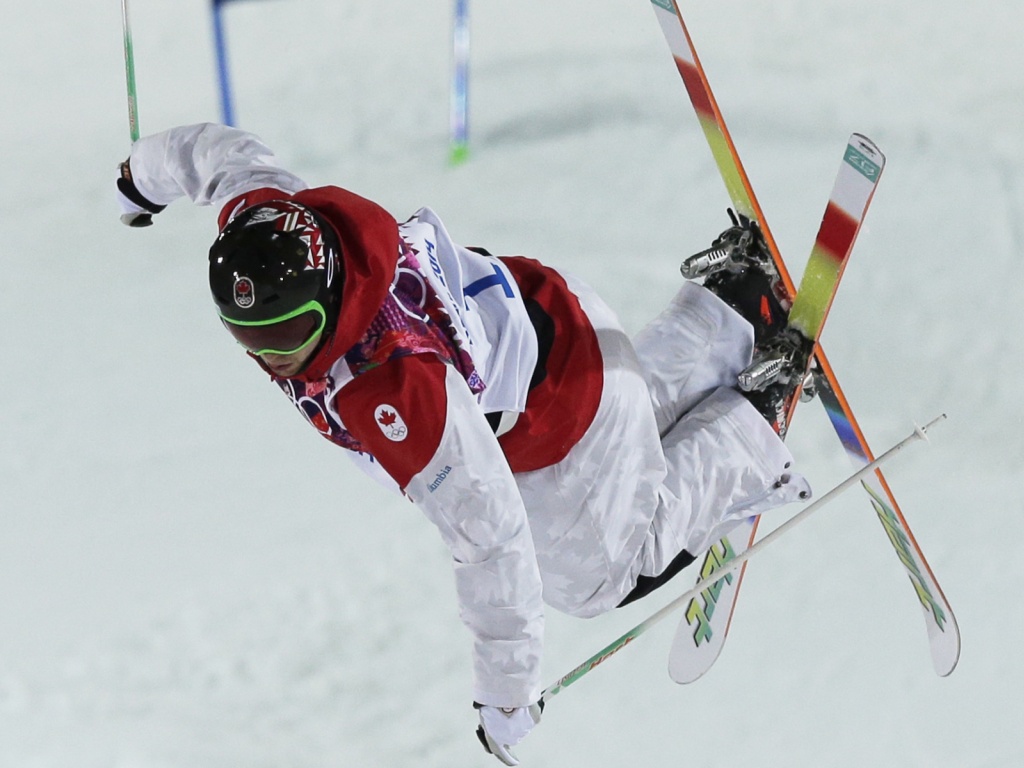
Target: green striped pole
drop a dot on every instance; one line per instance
(129, 71)
(920, 433)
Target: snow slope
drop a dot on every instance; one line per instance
(189, 576)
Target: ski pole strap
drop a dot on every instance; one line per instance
(919, 434)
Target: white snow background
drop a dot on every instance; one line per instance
(191, 578)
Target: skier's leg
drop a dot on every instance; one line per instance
(590, 513)
(725, 464)
(696, 345)
(625, 504)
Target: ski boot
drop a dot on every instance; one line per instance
(780, 367)
(739, 269)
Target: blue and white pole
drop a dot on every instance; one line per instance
(460, 83)
(227, 110)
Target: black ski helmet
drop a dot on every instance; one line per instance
(271, 260)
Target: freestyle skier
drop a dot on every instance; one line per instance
(562, 462)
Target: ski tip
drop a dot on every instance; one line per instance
(946, 649)
(868, 147)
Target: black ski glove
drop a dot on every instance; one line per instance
(136, 210)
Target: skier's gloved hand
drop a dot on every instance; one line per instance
(503, 728)
(136, 210)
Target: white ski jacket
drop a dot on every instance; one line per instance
(560, 461)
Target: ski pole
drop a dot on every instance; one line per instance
(129, 72)
(919, 433)
(227, 108)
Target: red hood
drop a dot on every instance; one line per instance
(369, 254)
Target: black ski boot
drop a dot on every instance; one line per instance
(779, 369)
(738, 268)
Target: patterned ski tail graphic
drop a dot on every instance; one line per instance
(943, 631)
(706, 644)
(705, 622)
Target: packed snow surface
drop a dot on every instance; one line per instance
(191, 578)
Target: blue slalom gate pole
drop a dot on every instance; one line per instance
(460, 83)
(226, 106)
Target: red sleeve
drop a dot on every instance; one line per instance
(398, 412)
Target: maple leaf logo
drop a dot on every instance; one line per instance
(390, 422)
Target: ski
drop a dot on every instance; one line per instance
(706, 621)
(943, 632)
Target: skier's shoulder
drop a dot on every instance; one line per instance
(397, 410)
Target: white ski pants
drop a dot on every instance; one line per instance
(674, 459)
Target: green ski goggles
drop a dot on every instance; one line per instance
(284, 335)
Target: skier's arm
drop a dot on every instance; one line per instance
(419, 418)
(370, 467)
(208, 163)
